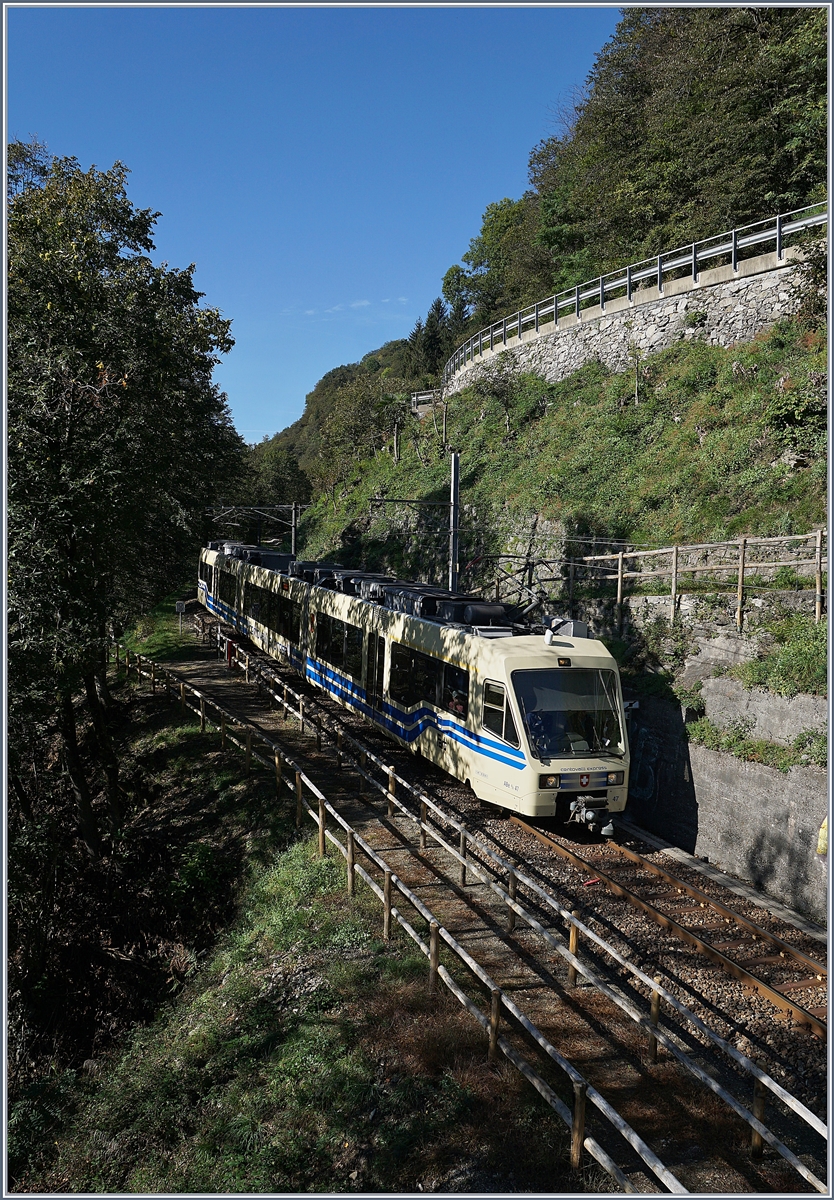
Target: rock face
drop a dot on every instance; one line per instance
(720, 308)
(773, 718)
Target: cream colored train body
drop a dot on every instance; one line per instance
(532, 723)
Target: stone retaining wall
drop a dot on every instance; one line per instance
(721, 308)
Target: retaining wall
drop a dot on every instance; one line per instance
(721, 308)
(758, 823)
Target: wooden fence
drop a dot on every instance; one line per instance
(288, 773)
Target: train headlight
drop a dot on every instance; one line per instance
(549, 781)
(616, 777)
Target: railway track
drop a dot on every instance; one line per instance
(391, 759)
(697, 919)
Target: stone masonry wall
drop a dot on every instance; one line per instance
(721, 308)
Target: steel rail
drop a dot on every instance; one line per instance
(745, 977)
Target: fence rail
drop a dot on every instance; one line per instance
(740, 559)
(507, 890)
(622, 282)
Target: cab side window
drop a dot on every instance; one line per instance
(498, 718)
(454, 695)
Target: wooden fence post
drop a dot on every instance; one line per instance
(386, 895)
(299, 811)
(222, 731)
(301, 714)
(673, 605)
(818, 566)
(248, 751)
(620, 591)
(202, 715)
(573, 946)
(392, 787)
(351, 863)
(285, 713)
(434, 955)
(247, 668)
(756, 1139)
(494, 1019)
(322, 827)
(278, 774)
(654, 1018)
(339, 749)
(182, 698)
(742, 550)
(570, 591)
(512, 884)
(577, 1133)
(423, 814)
(462, 848)
(153, 678)
(363, 759)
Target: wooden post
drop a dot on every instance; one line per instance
(351, 863)
(577, 1133)
(339, 749)
(756, 1139)
(182, 698)
(222, 731)
(392, 788)
(462, 848)
(286, 707)
(363, 758)
(673, 605)
(434, 955)
(620, 590)
(127, 662)
(494, 1019)
(153, 678)
(818, 565)
(278, 774)
(299, 811)
(512, 884)
(202, 715)
(423, 814)
(742, 550)
(654, 1018)
(247, 668)
(573, 946)
(301, 714)
(386, 895)
(248, 751)
(322, 827)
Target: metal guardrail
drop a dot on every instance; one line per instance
(731, 244)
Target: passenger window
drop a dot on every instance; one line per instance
(497, 716)
(353, 651)
(399, 685)
(454, 696)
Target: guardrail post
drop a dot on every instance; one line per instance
(392, 787)
(759, 1092)
(573, 946)
(673, 604)
(351, 863)
(818, 566)
(494, 1020)
(386, 896)
(779, 236)
(555, 313)
(577, 1133)
(660, 274)
(735, 251)
(536, 316)
(602, 293)
(462, 847)
(248, 751)
(299, 810)
(742, 550)
(512, 885)
(434, 955)
(504, 330)
(322, 827)
(577, 302)
(278, 774)
(628, 284)
(202, 715)
(654, 1018)
(423, 815)
(694, 262)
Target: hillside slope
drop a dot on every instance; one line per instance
(708, 444)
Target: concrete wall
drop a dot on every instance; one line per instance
(755, 822)
(720, 307)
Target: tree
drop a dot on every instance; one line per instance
(118, 439)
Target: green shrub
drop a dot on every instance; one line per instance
(797, 664)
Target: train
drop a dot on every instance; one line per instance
(529, 714)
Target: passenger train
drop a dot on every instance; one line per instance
(530, 716)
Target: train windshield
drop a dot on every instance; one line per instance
(569, 712)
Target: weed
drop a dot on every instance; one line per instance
(807, 748)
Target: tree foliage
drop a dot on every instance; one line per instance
(118, 439)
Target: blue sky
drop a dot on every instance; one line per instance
(323, 167)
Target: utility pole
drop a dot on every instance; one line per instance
(294, 525)
(454, 522)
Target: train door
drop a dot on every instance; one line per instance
(375, 670)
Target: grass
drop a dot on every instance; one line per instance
(702, 457)
(798, 662)
(157, 634)
(290, 1049)
(809, 748)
